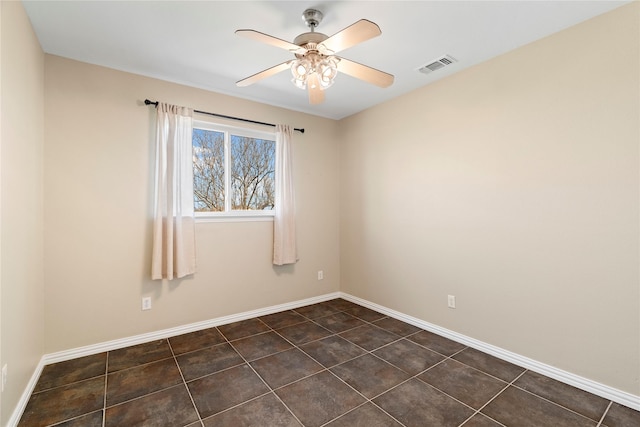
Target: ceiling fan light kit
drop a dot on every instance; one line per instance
(324, 69)
(316, 65)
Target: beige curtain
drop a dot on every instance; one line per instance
(174, 253)
(284, 224)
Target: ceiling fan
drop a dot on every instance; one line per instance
(316, 65)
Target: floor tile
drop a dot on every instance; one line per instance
(225, 389)
(93, 419)
(408, 356)
(323, 378)
(416, 404)
(339, 322)
(304, 332)
(244, 328)
(565, 395)
(319, 399)
(285, 367)
(396, 326)
(261, 412)
(364, 313)
(332, 350)
(138, 355)
(70, 371)
(515, 407)
(480, 420)
(621, 416)
(367, 415)
(144, 379)
(196, 340)
(369, 337)
(316, 310)
(282, 319)
(261, 345)
(208, 361)
(370, 375)
(436, 342)
(342, 304)
(170, 407)
(79, 398)
(463, 382)
(491, 365)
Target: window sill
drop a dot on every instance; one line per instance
(241, 217)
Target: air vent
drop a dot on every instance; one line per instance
(441, 62)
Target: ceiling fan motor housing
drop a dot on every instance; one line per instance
(310, 38)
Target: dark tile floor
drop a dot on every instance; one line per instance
(333, 364)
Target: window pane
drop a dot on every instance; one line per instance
(208, 170)
(252, 173)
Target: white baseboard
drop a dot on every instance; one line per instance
(88, 350)
(24, 398)
(609, 393)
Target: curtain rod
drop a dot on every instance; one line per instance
(147, 102)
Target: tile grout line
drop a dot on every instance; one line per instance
(509, 384)
(605, 413)
(358, 407)
(66, 384)
(106, 383)
(552, 402)
(184, 382)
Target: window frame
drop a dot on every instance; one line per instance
(228, 214)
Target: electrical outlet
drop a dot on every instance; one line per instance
(320, 275)
(5, 370)
(451, 302)
(146, 303)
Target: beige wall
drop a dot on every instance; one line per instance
(514, 186)
(98, 188)
(21, 276)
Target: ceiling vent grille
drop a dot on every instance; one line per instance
(439, 63)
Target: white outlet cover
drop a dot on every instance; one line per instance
(451, 301)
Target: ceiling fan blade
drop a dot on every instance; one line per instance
(363, 72)
(354, 34)
(273, 41)
(264, 74)
(316, 95)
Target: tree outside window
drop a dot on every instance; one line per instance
(232, 172)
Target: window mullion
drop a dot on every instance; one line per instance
(227, 172)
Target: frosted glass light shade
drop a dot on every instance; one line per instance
(325, 69)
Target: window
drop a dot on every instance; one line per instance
(233, 171)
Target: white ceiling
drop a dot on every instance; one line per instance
(193, 43)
